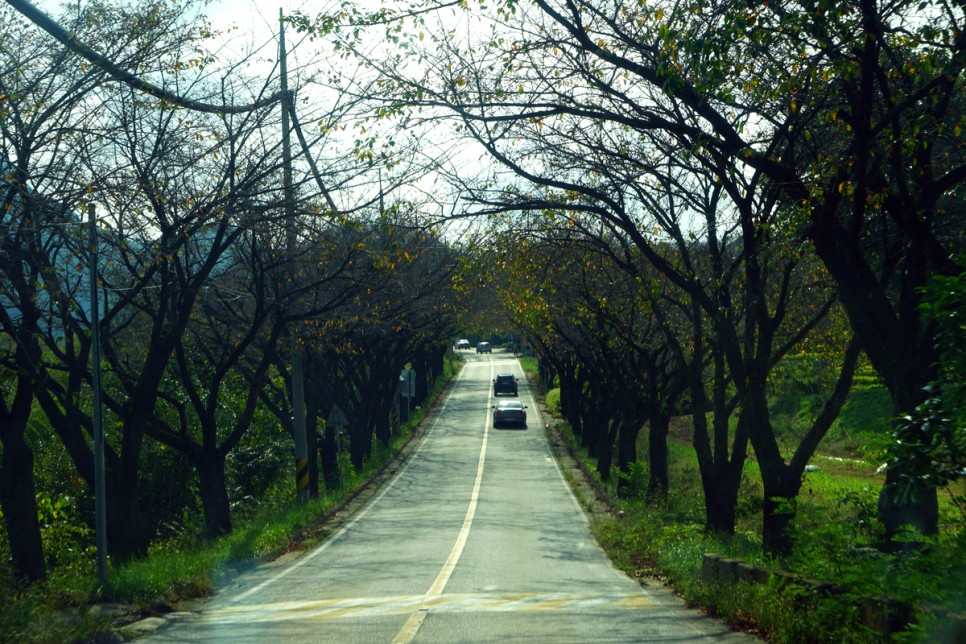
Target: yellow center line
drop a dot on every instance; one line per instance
(408, 632)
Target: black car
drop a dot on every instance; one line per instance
(505, 383)
(509, 412)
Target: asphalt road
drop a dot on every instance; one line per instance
(477, 538)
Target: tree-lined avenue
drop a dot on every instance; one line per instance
(476, 538)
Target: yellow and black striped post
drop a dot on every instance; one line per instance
(301, 476)
(394, 417)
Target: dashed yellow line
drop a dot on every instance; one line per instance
(352, 608)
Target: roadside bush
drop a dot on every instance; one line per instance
(68, 541)
(552, 401)
(636, 480)
(790, 613)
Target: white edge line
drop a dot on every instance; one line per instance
(357, 517)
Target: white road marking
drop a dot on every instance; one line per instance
(348, 525)
(368, 607)
(418, 606)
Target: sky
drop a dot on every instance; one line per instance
(247, 26)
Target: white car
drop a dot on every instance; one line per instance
(463, 344)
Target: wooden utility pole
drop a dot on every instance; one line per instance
(298, 368)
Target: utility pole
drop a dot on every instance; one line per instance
(100, 488)
(298, 368)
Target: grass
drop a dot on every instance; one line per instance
(836, 531)
(861, 431)
(64, 608)
(662, 544)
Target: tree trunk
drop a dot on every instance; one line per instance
(125, 529)
(360, 446)
(626, 456)
(607, 433)
(897, 342)
(312, 444)
(19, 503)
(438, 360)
(720, 475)
(658, 425)
(720, 501)
(330, 459)
(570, 403)
(383, 429)
(919, 510)
(778, 516)
(421, 365)
(904, 500)
(214, 495)
(780, 483)
(546, 375)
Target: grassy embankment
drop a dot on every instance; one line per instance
(836, 533)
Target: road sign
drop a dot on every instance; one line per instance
(337, 417)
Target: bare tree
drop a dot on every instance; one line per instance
(47, 123)
(821, 115)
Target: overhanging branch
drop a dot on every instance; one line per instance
(43, 21)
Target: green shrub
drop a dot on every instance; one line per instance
(165, 576)
(636, 479)
(67, 541)
(552, 400)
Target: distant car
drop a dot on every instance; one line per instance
(505, 383)
(509, 412)
(463, 344)
(484, 347)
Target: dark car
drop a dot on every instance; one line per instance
(509, 412)
(484, 347)
(505, 383)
